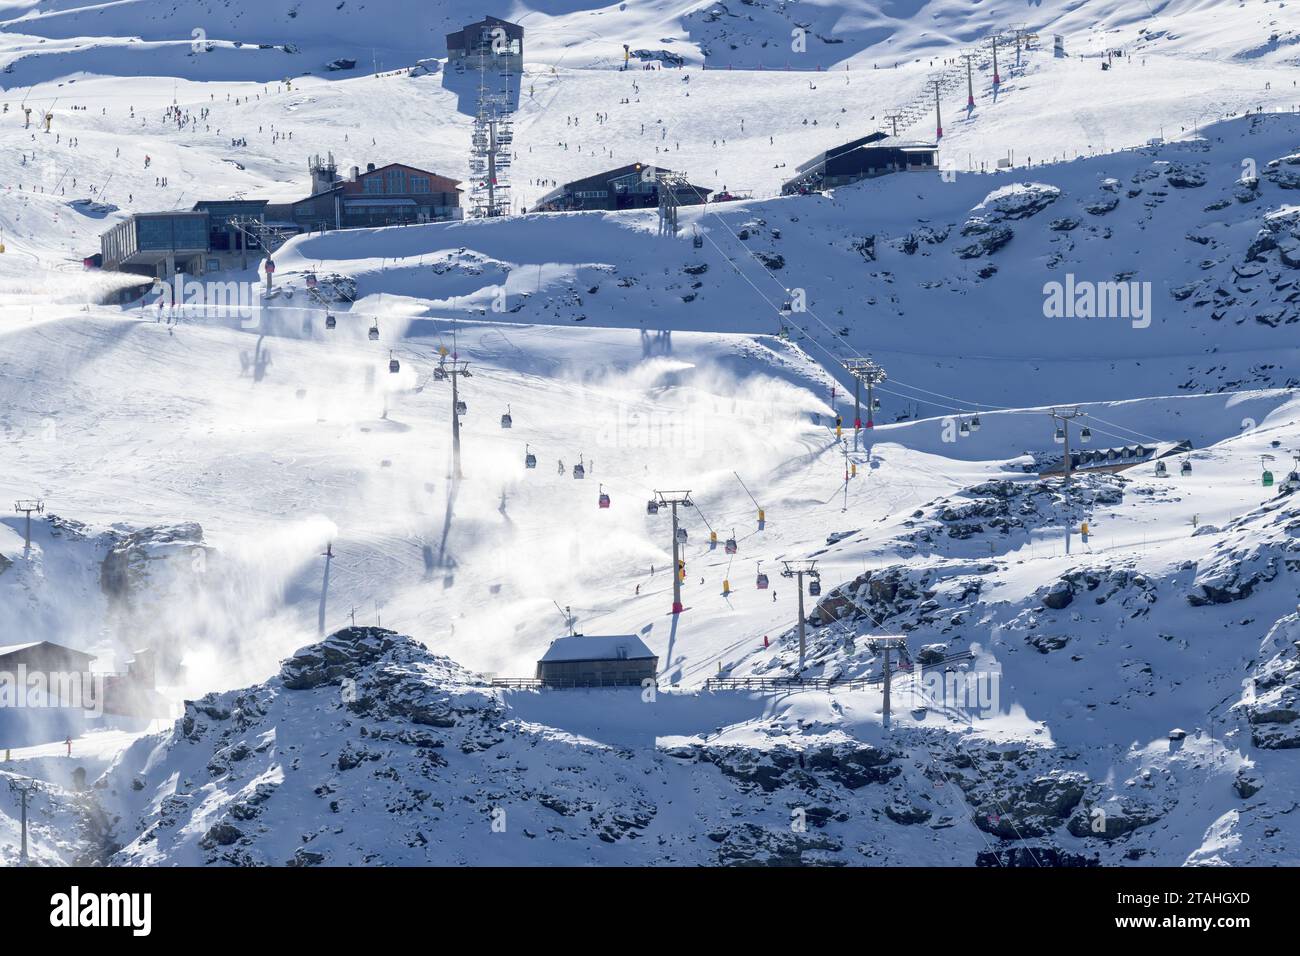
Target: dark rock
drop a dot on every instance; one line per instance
(1046, 643)
(1059, 595)
(1184, 177)
(333, 658)
(1031, 809)
(1247, 783)
(221, 834)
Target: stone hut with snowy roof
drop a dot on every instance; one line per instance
(610, 661)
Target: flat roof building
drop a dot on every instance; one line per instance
(157, 243)
(635, 186)
(231, 234)
(872, 155)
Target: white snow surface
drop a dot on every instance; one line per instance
(657, 365)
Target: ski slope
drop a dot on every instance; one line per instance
(321, 482)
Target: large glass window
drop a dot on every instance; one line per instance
(191, 232)
(154, 234)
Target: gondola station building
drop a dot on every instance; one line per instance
(635, 186)
(875, 154)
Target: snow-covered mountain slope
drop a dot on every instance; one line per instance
(945, 282)
(276, 38)
(424, 765)
(474, 581)
(228, 489)
(735, 128)
(65, 827)
(366, 749)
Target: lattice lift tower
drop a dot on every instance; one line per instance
(491, 149)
